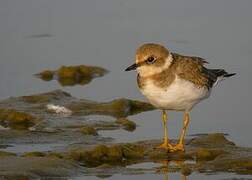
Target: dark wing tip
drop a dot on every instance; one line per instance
(205, 62)
(229, 75)
(202, 60)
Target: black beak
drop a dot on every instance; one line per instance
(132, 67)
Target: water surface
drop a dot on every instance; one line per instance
(44, 34)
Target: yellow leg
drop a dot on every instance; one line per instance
(181, 144)
(166, 176)
(184, 177)
(166, 145)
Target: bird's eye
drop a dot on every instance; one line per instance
(151, 60)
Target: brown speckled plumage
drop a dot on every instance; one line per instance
(186, 67)
(190, 69)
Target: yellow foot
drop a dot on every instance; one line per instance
(166, 146)
(172, 148)
(179, 147)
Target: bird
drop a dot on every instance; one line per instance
(174, 82)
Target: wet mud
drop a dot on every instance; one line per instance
(46, 142)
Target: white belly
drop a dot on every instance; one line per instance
(181, 95)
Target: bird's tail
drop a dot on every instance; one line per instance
(221, 75)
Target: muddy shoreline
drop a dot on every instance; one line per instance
(43, 142)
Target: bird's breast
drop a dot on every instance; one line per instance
(180, 95)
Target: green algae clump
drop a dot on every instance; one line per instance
(67, 72)
(54, 155)
(81, 71)
(99, 153)
(138, 107)
(15, 177)
(118, 108)
(185, 170)
(88, 130)
(95, 71)
(133, 151)
(216, 140)
(46, 75)
(243, 166)
(34, 154)
(125, 107)
(204, 154)
(37, 168)
(105, 166)
(45, 97)
(72, 75)
(112, 155)
(17, 120)
(127, 124)
(35, 99)
(5, 153)
(93, 157)
(115, 153)
(76, 154)
(239, 165)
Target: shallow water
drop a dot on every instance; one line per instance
(106, 34)
(178, 176)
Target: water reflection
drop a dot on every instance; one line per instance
(169, 167)
(182, 177)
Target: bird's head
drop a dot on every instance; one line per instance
(151, 59)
